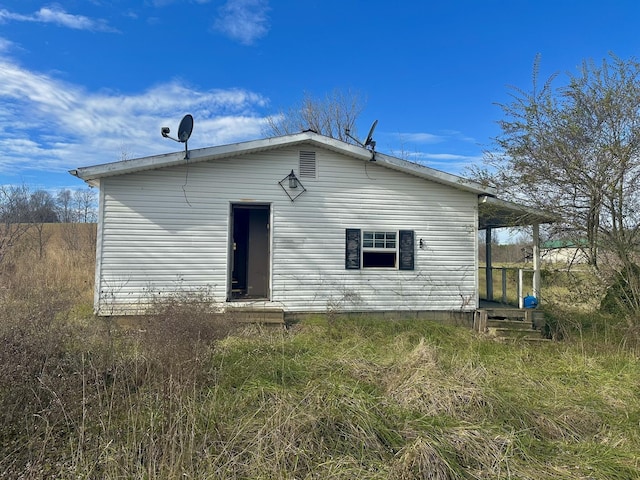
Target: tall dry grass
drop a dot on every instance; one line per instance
(187, 394)
(59, 258)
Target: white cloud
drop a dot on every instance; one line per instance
(56, 15)
(422, 137)
(5, 45)
(447, 157)
(50, 125)
(243, 20)
(441, 136)
(164, 3)
(457, 135)
(447, 162)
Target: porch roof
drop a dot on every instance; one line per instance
(496, 213)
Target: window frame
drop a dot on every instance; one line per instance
(405, 249)
(384, 242)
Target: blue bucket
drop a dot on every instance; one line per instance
(530, 301)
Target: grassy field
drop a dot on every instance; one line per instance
(185, 396)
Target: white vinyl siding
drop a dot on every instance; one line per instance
(167, 230)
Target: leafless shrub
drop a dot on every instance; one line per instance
(179, 327)
(36, 372)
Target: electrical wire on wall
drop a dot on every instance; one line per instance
(186, 181)
(366, 171)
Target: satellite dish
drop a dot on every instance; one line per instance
(185, 128)
(369, 140)
(184, 132)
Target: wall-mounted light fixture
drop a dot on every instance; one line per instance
(293, 181)
(291, 184)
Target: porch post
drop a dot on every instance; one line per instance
(536, 261)
(489, 275)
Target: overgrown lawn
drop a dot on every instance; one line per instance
(189, 394)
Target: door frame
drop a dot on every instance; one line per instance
(233, 206)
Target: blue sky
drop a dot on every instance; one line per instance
(84, 82)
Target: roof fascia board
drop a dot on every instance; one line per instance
(212, 153)
(92, 173)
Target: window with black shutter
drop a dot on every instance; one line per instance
(379, 249)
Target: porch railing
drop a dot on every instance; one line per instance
(509, 285)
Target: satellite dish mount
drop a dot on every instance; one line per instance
(184, 132)
(369, 142)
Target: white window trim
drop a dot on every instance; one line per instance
(395, 249)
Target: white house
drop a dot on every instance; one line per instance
(298, 223)
(564, 252)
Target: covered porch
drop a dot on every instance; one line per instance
(496, 310)
(493, 214)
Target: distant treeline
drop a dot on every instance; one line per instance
(21, 204)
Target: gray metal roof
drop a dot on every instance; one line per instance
(496, 213)
(93, 173)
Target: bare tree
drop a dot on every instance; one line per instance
(14, 205)
(329, 116)
(64, 199)
(42, 207)
(574, 151)
(84, 201)
(42, 210)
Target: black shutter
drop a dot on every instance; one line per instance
(407, 250)
(352, 249)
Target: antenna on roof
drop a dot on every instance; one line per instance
(369, 141)
(184, 132)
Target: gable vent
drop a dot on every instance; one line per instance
(307, 164)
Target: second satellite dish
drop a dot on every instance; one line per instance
(369, 140)
(184, 132)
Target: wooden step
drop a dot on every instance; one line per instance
(505, 317)
(510, 324)
(512, 333)
(506, 313)
(257, 315)
(536, 317)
